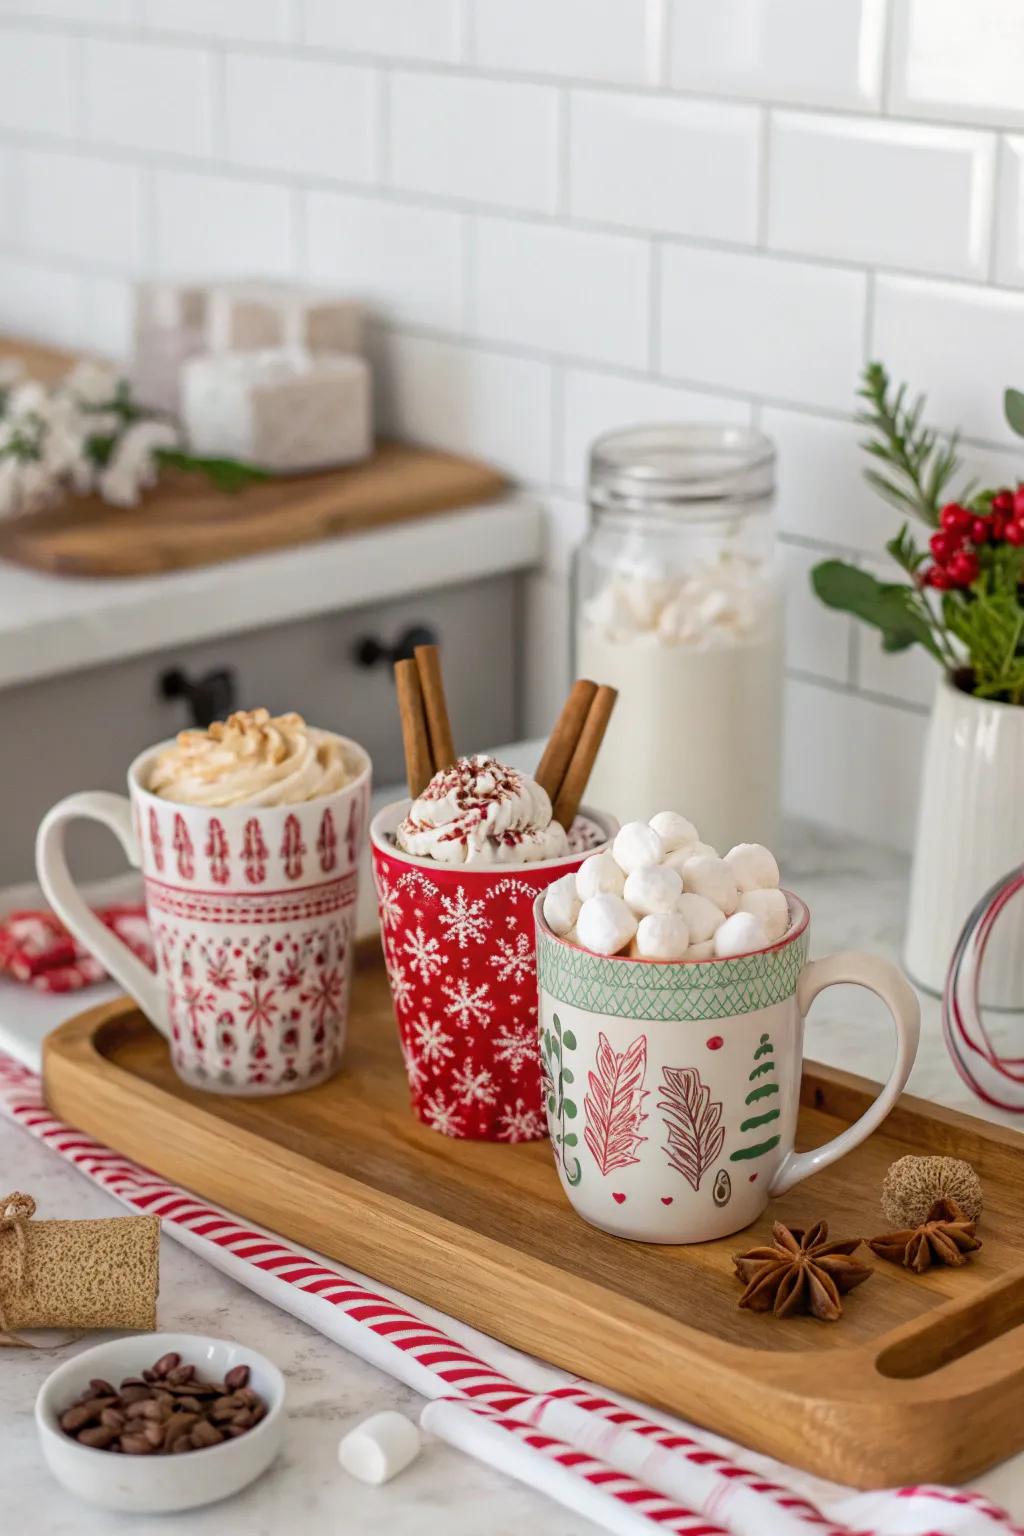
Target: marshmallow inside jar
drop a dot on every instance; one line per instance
(660, 894)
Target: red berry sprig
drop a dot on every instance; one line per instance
(962, 533)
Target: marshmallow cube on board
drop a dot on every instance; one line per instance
(284, 410)
(255, 316)
(379, 1448)
(169, 328)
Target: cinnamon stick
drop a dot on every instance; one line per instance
(442, 747)
(581, 765)
(564, 736)
(415, 740)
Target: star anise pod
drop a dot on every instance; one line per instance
(946, 1236)
(800, 1271)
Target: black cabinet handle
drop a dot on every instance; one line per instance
(371, 651)
(210, 697)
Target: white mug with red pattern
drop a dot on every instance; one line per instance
(252, 910)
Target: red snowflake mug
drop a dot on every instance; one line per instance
(459, 948)
(252, 910)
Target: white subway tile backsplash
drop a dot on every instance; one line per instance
(40, 303)
(567, 519)
(251, 21)
(962, 345)
(215, 226)
(1009, 263)
(839, 186)
(763, 325)
(104, 13)
(781, 50)
(108, 316)
(654, 162)
(852, 762)
(960, 62)
(400, 29)
(817, 638)
(615, 40)
(82, 208)
(306, 116)
(148, 97)
(403, 260)
(467, 400)
(562, 290)
(822, 493)
(488, 141)
(37, 82)
(593, 402)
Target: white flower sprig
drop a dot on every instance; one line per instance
(87, 435)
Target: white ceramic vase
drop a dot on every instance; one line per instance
(970, 832)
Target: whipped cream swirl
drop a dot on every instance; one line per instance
(481, 812)
(252, 758)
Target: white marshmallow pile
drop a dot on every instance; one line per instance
(718, 602)
(659, 893)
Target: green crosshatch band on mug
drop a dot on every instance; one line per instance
(667, 992)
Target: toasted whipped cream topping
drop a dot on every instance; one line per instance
(481, 812)
(252, 758)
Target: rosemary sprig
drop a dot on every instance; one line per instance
(919, 463)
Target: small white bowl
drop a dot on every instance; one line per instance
(153, 1485)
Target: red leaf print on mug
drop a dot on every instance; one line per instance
(292, 848)
(156, 842)
(217, 853)
(352, 835)
(327, 843)
(254, 852)
(183, 849)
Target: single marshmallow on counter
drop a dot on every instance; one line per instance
(635, 845)
(701, 916)
(605, 924)
(599, 874)
(379, 1448)
(753, 867)
(674, 830)
(561, 905)
(679, 856)
(662, 936)
(704, 951)
(770, 907)
(741, 934)
(652, 888)
(705, 875)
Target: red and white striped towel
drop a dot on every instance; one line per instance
(625, 1467)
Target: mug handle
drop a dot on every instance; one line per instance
(115, 812)
(899, 997)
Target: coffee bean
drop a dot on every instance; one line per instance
(167, 1363)
(113, 1418)
(149, 1375)
(131, 1381)
(189, 1404)
(155, 1434)
(99, 1436)
(136, 1445)
(179, 1425)
(101, 1388)
(205, 1434)
(84, 1413)
(237, 1377)
(180, 1373)
(135, 1394)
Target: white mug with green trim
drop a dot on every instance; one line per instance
(672, 1088)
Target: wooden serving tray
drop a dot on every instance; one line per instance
(921, 1380)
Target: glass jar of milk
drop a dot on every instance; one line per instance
(677, 604)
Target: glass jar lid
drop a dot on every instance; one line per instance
(672, 468)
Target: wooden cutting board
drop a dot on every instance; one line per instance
(184, 522)
(921, 1380)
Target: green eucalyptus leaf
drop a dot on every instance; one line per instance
(889, 607)
(569, 1040)
(1013, 407)
(570, 1109)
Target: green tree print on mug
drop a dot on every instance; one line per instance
(554, 1044)
(759, 1101)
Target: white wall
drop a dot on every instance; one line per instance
(571, 214)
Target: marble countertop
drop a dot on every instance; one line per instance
(857, 898)
(54, 624)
